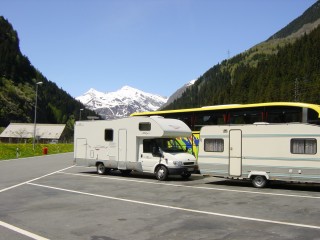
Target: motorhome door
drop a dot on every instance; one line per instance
(81, 151)
(235, 152)
(122, 154)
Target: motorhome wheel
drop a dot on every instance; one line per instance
(259, 181)
(101, 169)
(162, 173)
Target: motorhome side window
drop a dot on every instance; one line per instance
(213, 145)
(303, 146)
(108, 135)
(145, 126)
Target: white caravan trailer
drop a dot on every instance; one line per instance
(143, 144)
(261, 152)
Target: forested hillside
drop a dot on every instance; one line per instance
(18, 83)
(280, 69)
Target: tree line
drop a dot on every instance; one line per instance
(291, 74)
(17, 89)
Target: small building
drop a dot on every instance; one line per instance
(22, 132)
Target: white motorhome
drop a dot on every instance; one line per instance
(143, 144)
(261, 152)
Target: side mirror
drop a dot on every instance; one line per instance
(157, 151)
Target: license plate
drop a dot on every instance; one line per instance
(190, 169)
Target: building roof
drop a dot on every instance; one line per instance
(25, 130)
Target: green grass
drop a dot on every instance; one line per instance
(9, 150)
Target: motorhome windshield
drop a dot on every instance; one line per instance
(169, 145)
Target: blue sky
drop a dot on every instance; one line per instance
(153, 45)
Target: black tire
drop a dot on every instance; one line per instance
(162, 173)
(125, 172)
(101, 169)
(259, 181)
(185, 175)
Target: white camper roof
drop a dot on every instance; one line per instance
(172, 127)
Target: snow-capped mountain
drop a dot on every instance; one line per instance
(121, 103)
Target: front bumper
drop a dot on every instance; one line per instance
(181, 170)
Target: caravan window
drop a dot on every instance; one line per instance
(145, 126)
(303, 146)
(108, 135)
(213, 145)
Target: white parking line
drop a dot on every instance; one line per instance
(181, 209)
(21, 231)
(185, 186)
(20, 184)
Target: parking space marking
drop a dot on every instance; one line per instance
(20, 184)
(21, 231)
(185, 186)
(178, 208)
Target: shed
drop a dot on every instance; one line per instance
(16, 132)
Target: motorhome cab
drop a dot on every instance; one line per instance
(261, 152)
(143, 144)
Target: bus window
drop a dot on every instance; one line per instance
(207, 118)
(313, 117)
(283, 115)
(293, 116)
(246, 117)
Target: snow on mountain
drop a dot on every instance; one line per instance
(191, 82)
(121, 103)
(178, 93)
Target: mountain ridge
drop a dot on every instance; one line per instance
(120, 103)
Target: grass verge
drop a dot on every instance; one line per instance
(23, 150)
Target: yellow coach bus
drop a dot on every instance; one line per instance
(271, 112)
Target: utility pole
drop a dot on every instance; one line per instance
(35, 113)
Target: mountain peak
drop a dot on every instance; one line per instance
(126, 87)
(121, 103)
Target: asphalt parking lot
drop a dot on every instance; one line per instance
(49, 198)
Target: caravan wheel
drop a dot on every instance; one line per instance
(259, 181)
(162, 173)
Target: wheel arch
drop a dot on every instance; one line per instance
(252, 174)
(98, 162)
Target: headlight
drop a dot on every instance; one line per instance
(177, 163)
